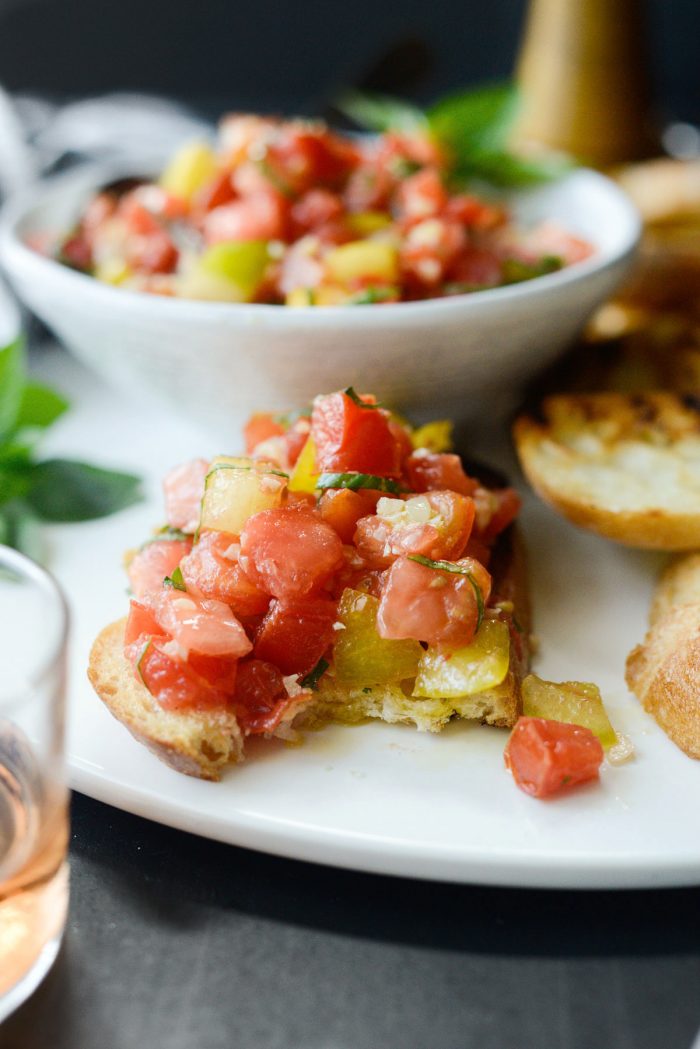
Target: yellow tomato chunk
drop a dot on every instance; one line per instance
(575, 702)
(305, 475)
(190, 168)
(480, 665)
(363, 259)
(236, 488)
(361, 657)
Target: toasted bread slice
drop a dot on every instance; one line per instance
(202, 743)
(198, 742)
(499, 706)
(625, 466)
(664, 672)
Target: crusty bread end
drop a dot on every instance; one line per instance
(199, 743)
(625, 466)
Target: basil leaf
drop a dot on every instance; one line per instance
(477, 120)
(66, 490)
(40, 406)
(312, 678)
(377, 112)
(12, 372)
(175, 581)
(450, 566)
(515, 270)
(508, 169)
(354, 481)
(20, 530)
(15, 480)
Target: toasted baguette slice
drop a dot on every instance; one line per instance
(499, 706)
(199, 743)
(664, 674)
(203, 743)
(625, 466)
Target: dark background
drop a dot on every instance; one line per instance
(267, 54)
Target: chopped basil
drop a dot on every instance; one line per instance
(312, 678)
(450, 566)
(354, 481)
(515, 271)
(166, 534)
(372, 295)
(139, 661)
(175, 581)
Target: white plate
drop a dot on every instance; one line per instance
(381, 798)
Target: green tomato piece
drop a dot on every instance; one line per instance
(360, 655)
(480, 665)
(236, 488)
(231, 271)
(574, 702)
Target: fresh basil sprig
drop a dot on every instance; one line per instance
(450, 566)
(473, 125)
(312, 678)
(34, 490)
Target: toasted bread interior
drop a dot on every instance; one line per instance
(625, 466)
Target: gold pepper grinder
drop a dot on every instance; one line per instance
(583, 71)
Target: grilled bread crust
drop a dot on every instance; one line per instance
(664, 671)
(624, 466)
(203, 743)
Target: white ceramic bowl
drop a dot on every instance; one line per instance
(464, 355)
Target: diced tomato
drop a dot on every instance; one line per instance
(402, 438)
(302, 158)
(261, 699)
(156, 560)
(295, 439)
(301, 266)
(175, 683)
(145, 207)
(368, 189)
(97, 211)
(471, 211)
(140, 622)
(295, 635)
(183, 488)
(380, 539)
(215, 193)
(430, 248)
(421, 195)
(495, 510)
(262, 215)
(151, 253)
(315, 208)
(77, 251)
(289, 552)
(205, 626)
(343, 508)
(476, 268)
(429, 471)
(351, 437)
(258, 428)
(432, 605)
(212, 570)
(548, 756)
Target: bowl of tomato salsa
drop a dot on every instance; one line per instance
(289, 258)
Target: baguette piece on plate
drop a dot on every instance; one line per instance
(664, 671)
(203, 743)
(198, 742)
(624, 466)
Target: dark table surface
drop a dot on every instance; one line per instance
(182, 943)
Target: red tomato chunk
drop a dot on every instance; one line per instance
(212, 570)
(183, 488)
(207, 627)
(261, 699)
(289, 552)
(431, 605)
(352, 438)
(156, 560)
(548, 756)
(295, 636)
(180, 685)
